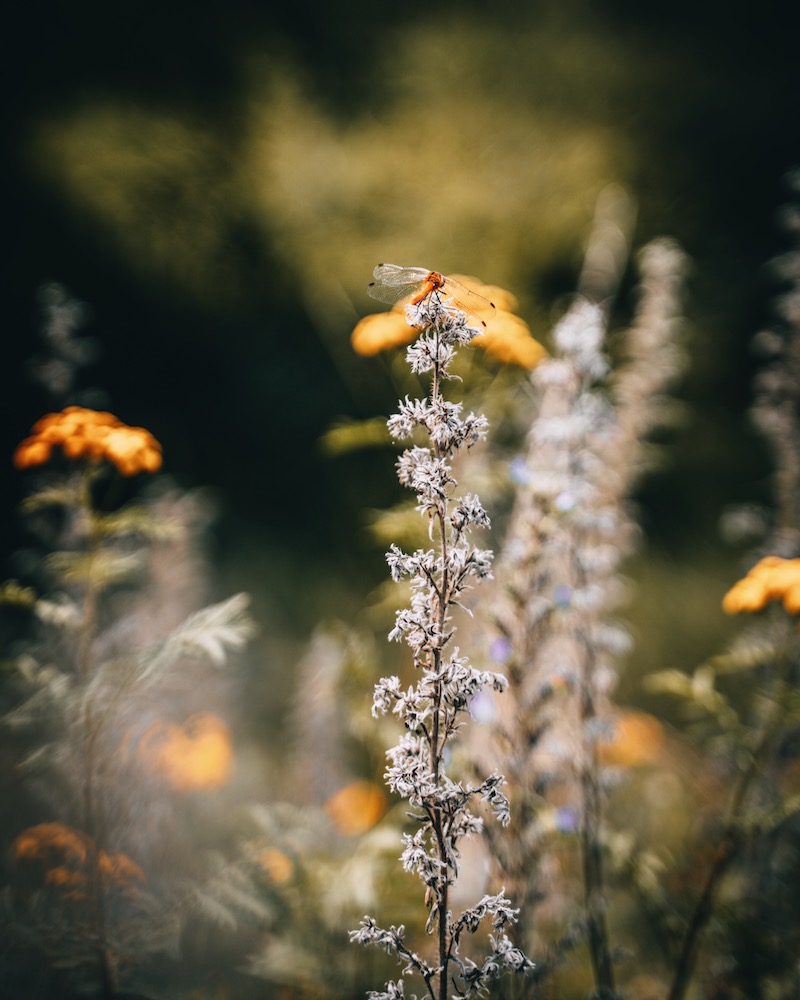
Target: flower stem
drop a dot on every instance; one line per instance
(731, 842)
(591, 851)
(91, 808)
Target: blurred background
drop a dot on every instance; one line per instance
(216, 183)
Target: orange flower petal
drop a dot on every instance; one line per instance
(44, 839)
(508, 338)
(32, 451)
(638, 740)
(771, 579)
(132, 450)
(380, 332)
(791, 599)
(278, 866)
(119, 869)
(357, 807)
(748, 594)
(76, 446)
(194, 756)
(61, 875)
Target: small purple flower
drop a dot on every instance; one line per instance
(500, 649)
(481, 707)
(562, 595)
(520, 471)
(567, 819)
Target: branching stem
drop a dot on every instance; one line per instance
(446, 685)
(731, 841)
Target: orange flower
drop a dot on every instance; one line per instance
(748, 594)
(119, 870)
(357, 807)
(93, 435)
(771, 579)
(380, 332)
(41, 842)
(277, 865)
(508, 338)
(637, 740)
(66, 853)
(132, 450)
(32, 451)
(194, 756)
(63, 876)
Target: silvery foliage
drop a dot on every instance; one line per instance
(433, 710)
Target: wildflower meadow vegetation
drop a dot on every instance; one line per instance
(466, 791)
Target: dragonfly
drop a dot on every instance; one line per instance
(393, 283)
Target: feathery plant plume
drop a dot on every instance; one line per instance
(746, 716)
(65, 353)
(433, 710)
(568, 534)
(776, 409)
(91, 693)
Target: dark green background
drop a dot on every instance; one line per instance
(240, 393)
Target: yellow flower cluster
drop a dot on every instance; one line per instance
(772, 579)
(381, 332)
(277, 865)
(637, 740)
(357, 807)
(195, 756)
(90, 434)
(505, 336)
(508, 339)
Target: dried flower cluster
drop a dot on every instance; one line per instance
(568, 534)
(66, 353)
(777, 386)
(92, 435)
(432, 711)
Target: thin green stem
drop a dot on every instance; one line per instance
(730, 843)
(89, 728)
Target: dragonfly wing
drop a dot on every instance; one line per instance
(393, 282)
(394, 274)
(390, 294)
(464, 298)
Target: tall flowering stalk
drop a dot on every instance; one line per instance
(433, 711)
(568, 534)
(99, 905)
